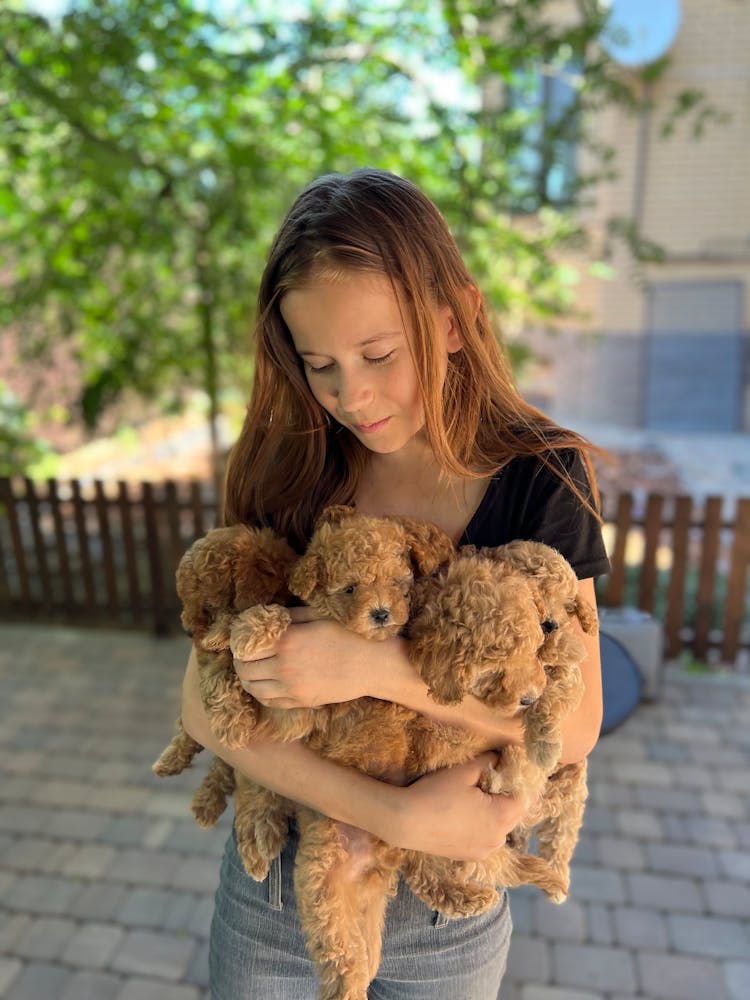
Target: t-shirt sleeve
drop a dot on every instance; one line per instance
(553, 514)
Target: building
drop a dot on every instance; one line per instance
(665, 346)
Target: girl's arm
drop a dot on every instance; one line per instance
(580, 729)
(472, 824)
(317, 662)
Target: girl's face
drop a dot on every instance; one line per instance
(350, 335)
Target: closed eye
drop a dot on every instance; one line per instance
(384, 359)
(319, 370)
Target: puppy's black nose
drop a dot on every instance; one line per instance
(549, 626)
(528, 699)
(380, 615)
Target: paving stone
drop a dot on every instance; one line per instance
(188, 836)
(528, 959)
(38, 855)
(667, 799)
(680, 977)
(90, 861)
(145, 907)
(593, 967)
(696, 862)
(151, 989)
(737, 979)
(168, 805)
(154, 954)
(46, 938)
(98, 901)
(598, 819)
(710, 936)
(642, 773)
(724, 804)
(664, 892)
(197, 873)
(608, 793)
(145, 867)
(93, 945)
(76, 824)
(600, 926)
(25, 819)
(667, 752)
(735, 864)
(734, 779)
(534, 992)
(522, 911)
(692, 734)
(562, 923)
(127, 831)
(597, 885)
(640, 928)
(639, 823)
(197, 971)
(63, 793)
(85, 985)
(42, 894)
(731, 899)
(10, 969)
(700, 778)
(620, 852)
(726, 757)
(39, 981)
(203, 911)
(12, 928)
(120, 800)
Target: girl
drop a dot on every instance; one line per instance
(379, 382)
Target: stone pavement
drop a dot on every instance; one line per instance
(106, 883)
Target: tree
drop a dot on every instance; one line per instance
(150, 147)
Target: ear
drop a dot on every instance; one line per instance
(429, 546)
(447, 683)
(303, 578)
(586, 616)
(472, 302)
(334, 514)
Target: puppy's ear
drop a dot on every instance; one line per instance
(303, 578)
(334, 514)
(585, 615)
(446, 686)
(429, 546)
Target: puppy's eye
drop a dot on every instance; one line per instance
(350, 589)
(549, 626)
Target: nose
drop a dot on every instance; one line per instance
(352, 391)
(380, 616)
(528, 699)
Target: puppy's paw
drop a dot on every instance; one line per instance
(257, 628)
(545, 754)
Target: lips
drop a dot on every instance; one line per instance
(371, 428)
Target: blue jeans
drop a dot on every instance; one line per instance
(257, 950)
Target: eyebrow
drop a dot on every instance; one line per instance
(364, 343)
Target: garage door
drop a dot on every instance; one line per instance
(695, 357)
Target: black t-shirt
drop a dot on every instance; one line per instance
(525, 499)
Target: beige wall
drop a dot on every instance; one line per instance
(695, 203)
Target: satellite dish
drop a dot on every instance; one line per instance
(638, 32)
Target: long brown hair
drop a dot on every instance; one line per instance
(291, 459)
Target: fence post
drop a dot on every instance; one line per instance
(677, 576)
(153, 551)
(704, 600)
(734, 606)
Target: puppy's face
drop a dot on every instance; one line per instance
(478, 633)
(358, 574)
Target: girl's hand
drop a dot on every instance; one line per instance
(445, 813)
(316, 662)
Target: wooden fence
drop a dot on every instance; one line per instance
(106, 554)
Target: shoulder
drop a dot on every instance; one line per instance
(531, 498)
